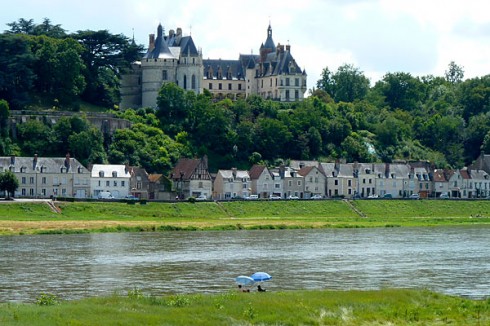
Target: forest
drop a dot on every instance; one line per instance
(441, 119)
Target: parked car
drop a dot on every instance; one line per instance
(316, 197)
(293, 197)
(444, 195)
(201, 197)
(105, 195)
(414, 196)
(373, 196)
(252, 197)
(387, 196)
(274, 197)
(131, 197)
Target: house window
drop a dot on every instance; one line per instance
(123, 183)
(99, 183)
(336, 182)
(114, 174)
(299, 182)
(115, 183)
(31, 180)
(43, 192)
(138, 185)
(23, 191)
(31, 192)
(290, 183)
(23, 180)
(63, 180)
(55, 181)
(43, 180)
(107, 183)
(200, 184)
(349, 183)
(277, 186)
(101, 174)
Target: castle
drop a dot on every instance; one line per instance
(273, 74)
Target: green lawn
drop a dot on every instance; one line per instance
(384, 307)
(25, 218)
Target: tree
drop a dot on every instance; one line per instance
(16, 75)
(106, 56)
(8, 183)
(454, 74)
(4, 116)
(88, 146)
(401, 90)
(174, 108)
(22, 26)
(346, 85)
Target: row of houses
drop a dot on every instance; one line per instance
(308, 179)
(41, 177)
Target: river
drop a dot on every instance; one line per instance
(451, 260)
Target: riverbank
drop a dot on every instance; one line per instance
(383, 307)
(82, 217)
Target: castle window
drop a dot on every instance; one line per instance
(296, 82)
(220, 73)
(164, 75)
(185, 82)
(296, 94)
(220, 86)
(262, 83)
(287, 81)
(276, 81)
(229, 86)
(270, 83)
(239, 87)
(193, 82)
(210, 86)
(193, 60)
(287, 95)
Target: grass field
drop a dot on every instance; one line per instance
(28, 218)
(384, 307)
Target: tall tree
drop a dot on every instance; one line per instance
(16, 74)
(346, 85)
(454, 73)
(106, 55)
(8, 183)
(401, 90)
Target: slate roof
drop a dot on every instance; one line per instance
(171, 47)
(34, 164)
(121, 170)
(239, 174)
(233, 66)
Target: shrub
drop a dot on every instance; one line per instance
(47, 299)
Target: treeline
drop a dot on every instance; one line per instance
(42, 64)
(443, 119)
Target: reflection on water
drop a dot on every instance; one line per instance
(449, 260)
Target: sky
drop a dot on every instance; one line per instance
(420, 37)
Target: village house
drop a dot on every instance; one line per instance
(110, 178)
(261, 181)
(231, 184)
(47, 177)
(340, 179)
(479, 184)
(440, 182)
(191, 178)
(139, 182)
(314, 181)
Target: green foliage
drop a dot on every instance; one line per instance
(47, 299)
(8, 183)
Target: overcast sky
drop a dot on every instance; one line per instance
(420, 37)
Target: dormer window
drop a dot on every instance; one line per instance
(80, 169)
(114, 174)
(23, 169)
(393, 176)
(101, 174)
(63, 169)
(368, 171)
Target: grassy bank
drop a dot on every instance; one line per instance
(28, 218)
(384, 307)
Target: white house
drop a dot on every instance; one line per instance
(114, 178)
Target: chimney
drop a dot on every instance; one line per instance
(151, 45)
(67, 162)
(288, 47)
(233, 171)
(34, 162)
(282, 171)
